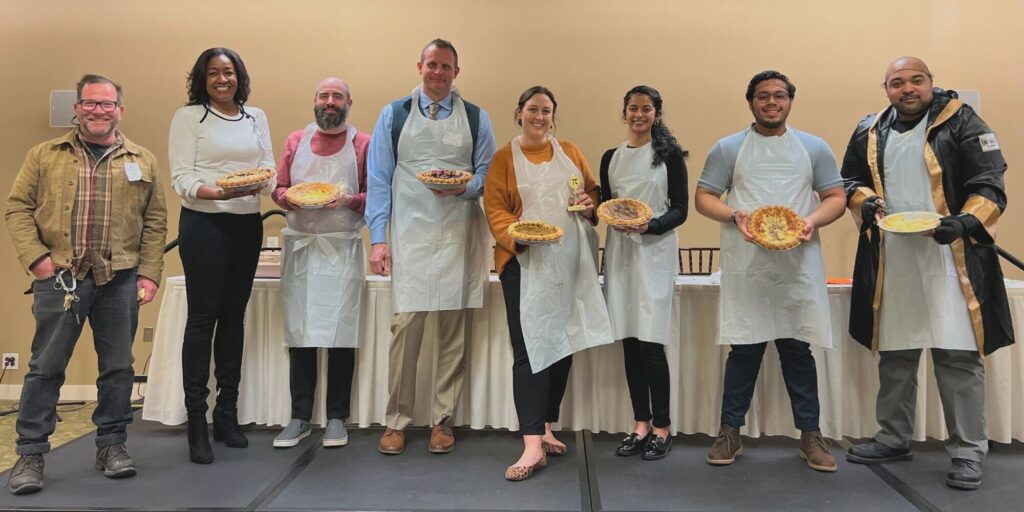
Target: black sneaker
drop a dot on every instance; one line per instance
(873, 452)
(26, 475)
(657, 448)
(114, 461)
(633, 444)
(965, 474)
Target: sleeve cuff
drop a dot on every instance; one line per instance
(985, 211)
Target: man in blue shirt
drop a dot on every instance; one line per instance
(434, 243)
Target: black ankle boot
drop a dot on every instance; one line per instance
(226, 429)
(199, 450)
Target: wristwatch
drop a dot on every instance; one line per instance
(732, 218)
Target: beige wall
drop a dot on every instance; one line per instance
(699, 54)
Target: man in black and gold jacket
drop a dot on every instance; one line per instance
(942, 291)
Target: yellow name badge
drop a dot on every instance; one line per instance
(575, 182)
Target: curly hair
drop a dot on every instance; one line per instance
(196, 80)
(662, 140)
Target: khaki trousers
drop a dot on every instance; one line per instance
(960, 375)
(406, 340)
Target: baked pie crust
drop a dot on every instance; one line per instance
(910, 222)
(313, 193)
(775, 227)
(444, 177)
(624, 212)
(534, 231)
(245, 178)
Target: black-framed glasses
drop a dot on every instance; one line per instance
(90, 105)
(764, 96)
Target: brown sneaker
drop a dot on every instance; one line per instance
(441, 439)
(726, 448)
(816, 451)
(392, 442)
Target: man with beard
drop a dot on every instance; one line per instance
(87, 218)
(324, 268)
(770, 295)
(927, 151)
(439, 238)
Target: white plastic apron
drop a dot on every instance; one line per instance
(767, 295)
(561, 307)
(640, 270)
(439, 244)
(923, 305)
(324, 268)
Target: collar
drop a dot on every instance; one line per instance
(445, 103)
(70, 139)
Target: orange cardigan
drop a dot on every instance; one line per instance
(501, 194)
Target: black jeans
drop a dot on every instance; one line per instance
(219, 252)
(538, 396)
(798, 371)
(113, 314)
(340, 365)
(648, 380)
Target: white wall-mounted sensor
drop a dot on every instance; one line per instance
(62, 108)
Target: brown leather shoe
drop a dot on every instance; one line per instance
(441, 439)
(816, 451)
(519, 473)
(726, 448)
(392, 442)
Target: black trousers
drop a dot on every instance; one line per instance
(219, 252)
(341, 363)
(538, 396)
(648, 380)
(798, 371)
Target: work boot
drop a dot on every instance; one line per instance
(965, 474)
(26, 475)
(295, 431)
(873, 452)
(816, 451)
(726, 448)
(114, 461)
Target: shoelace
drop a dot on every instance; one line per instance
(35, 463)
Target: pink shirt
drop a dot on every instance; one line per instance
(322, 144)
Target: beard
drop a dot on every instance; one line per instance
(912, 112)
(330, 119)
(87, 127)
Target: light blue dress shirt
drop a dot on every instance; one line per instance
(380, 164)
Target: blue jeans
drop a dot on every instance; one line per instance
(113, 314)
(798, 371)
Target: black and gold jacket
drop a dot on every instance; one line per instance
(966, 169)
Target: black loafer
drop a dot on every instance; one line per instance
(633, 444)
(657, 448)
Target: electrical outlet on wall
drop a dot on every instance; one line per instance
(9, 361)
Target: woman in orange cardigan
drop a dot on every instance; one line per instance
(552, 287)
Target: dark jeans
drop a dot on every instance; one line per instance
(538, 396)
(798, 371)
(113, 314)
(648, 380)
(340, 365)
(219, 252)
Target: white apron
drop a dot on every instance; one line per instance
(561, 307)
(323, 275)
(439, 245)
(767, 295)
(923, 305)
(640, 270)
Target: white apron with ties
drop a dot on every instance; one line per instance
(923, 305)
(767, 295)
(561, 308)
(439, 245)
(323, 276)
(640, 270)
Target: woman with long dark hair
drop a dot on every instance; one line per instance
(641, 263)
(220, 234)
(552, 296)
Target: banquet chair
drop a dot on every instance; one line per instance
(697, 261)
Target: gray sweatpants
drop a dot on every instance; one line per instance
(961, 379)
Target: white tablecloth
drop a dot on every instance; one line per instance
(597, 398)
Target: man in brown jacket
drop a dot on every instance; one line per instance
(87, 218)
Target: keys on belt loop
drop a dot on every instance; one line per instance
(70, 296)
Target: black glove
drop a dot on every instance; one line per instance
(954, 227)
(868, 209)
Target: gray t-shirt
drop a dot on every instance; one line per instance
(721, 162)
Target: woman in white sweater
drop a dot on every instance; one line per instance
(220, 234)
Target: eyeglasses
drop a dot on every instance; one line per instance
(90, 105)
(779, 96)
